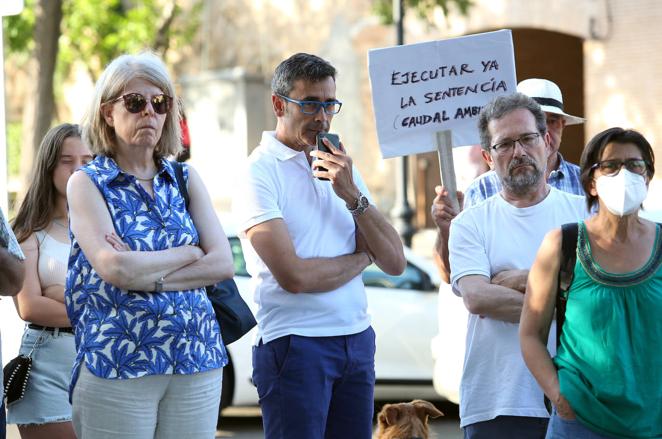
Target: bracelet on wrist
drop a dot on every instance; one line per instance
(361, 205)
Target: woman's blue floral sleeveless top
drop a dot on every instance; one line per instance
(127, 334)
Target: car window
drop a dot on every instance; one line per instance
(413, 278)
(238, 257)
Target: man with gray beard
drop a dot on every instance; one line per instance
(492, 245)
(560, 174)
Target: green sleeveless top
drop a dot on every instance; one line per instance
(610, 358)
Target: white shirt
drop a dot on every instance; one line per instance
(278, 183)
(53, 259)
(486, 239)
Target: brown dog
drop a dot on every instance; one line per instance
(407, 420)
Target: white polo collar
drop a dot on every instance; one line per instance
(276, 148)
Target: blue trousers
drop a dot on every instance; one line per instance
(560, 428)
(507, 427)
(316, 387)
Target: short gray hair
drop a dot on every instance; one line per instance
(502, 105)
(304, 66)
(111, 84)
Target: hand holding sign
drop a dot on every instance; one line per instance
(428, 96)
(419, 89)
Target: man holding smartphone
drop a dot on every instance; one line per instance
(306, 243)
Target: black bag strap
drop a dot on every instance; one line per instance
(181, 184)
(233, 314)
(569, 234)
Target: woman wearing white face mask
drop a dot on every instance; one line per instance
(606, 379)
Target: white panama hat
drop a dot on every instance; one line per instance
(548, 95)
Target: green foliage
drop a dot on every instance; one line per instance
(13, 148)
(93, 32)
(17, 29)
(96, 31)
(423, 8)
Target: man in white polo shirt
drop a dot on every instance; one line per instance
(306, 242)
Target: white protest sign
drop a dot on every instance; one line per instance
(420, 89)
(11, 7)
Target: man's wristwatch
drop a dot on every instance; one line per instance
(361, 205)
(158, 285)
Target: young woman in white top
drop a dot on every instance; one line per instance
(42, 228)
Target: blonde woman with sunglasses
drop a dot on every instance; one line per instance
(150, 353)
(42, 228)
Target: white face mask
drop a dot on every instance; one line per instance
(622, 193)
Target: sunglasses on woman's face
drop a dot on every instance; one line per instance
(135, 102)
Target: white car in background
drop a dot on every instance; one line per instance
(404, 316)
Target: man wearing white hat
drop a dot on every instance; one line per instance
(560, 174)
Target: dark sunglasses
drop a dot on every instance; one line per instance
(135, 102)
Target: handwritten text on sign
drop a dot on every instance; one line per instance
(422, 88)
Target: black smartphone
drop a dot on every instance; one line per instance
(335, 141)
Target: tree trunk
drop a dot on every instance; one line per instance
(40, 104)
(162, 39)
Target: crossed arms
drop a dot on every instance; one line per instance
(184, 267)
(499, 298)
(376, 239)
(375, 236)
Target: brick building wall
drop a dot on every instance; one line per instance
(620, 39)
(623, 68)
(609, 73)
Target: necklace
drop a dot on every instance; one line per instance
(144, 179)
(140, 178)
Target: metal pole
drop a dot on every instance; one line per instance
(402, 213)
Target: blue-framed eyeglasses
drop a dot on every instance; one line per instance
(312, 107)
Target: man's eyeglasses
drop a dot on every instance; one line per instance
(135, 102)
(527, 141)
(312, 107)
(613, 167)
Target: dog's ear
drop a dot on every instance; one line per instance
(425, 409)
(389, 414)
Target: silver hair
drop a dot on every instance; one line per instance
(111, 84)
